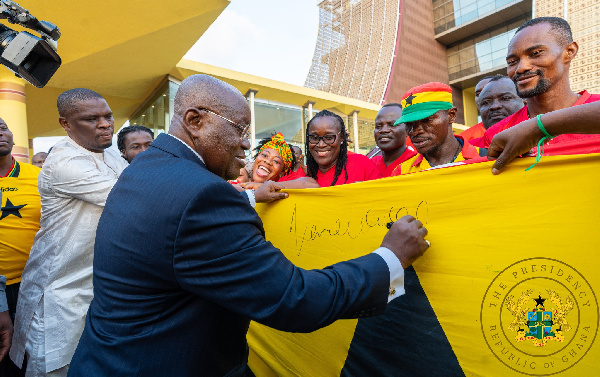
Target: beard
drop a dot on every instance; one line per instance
(6, 152)
(541, 87)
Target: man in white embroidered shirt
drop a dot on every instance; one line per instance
(56, 285)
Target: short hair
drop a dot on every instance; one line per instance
(498, 78)
(68, 100)
(487, 78)
(558, 26)
(130, 129)
(392, 104)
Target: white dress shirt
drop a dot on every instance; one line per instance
(56, 285)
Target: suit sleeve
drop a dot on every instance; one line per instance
(221, 255)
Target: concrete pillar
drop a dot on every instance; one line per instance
(309, 106)
(250, 95)
(13, 110)
(355, 123)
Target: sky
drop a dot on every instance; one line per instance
(274, 39)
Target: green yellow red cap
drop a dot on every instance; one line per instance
(425, 100)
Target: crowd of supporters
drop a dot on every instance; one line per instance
(49, 216)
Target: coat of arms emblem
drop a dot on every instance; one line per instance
(540, 323)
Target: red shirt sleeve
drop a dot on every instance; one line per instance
(294, 175)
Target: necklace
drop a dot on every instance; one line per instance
(110, 167)
(453, 158)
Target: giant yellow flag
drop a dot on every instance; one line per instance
(507, 287)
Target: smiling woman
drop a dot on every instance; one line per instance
(274, 161)
(328, 161)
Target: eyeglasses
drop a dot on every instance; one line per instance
(327, 139)
(244, 129)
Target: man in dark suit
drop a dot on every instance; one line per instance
(181, 264)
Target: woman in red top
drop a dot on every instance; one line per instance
(328, 160)
(273, 162)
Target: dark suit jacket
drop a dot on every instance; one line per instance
(181, 265)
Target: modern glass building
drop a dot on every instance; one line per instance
(452, 41)
(275, 106)
(137, 68)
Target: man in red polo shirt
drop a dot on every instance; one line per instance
(539, 58)
(497, 101)
(391, 139)
(428, 114)
(477, 130)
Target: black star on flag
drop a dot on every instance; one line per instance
(539, 301)
(409, 99)
(10, 209)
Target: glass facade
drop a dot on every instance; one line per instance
(355, 48)
(483, 52)
(450, 13)
(158, 112)
(366, 138)
(270, 116)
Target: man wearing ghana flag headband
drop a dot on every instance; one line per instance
(428, 114)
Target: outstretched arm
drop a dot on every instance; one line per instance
(249, 276)
(513, 142)
(299, 183)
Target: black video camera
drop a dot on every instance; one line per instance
(30, 57)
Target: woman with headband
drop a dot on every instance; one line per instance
(274, 159)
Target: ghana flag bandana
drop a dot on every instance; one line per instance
(278, 143)
(425, 100)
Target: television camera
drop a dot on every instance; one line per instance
(30, 57)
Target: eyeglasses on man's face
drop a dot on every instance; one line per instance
(327, 139)
(245, 130)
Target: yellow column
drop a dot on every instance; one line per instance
(13, 111)
(470, 107)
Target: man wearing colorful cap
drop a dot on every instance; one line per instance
(428, 114)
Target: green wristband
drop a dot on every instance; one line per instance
(540, 145)
(541, 126)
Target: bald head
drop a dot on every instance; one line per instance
(211, 117)
(206, 92)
